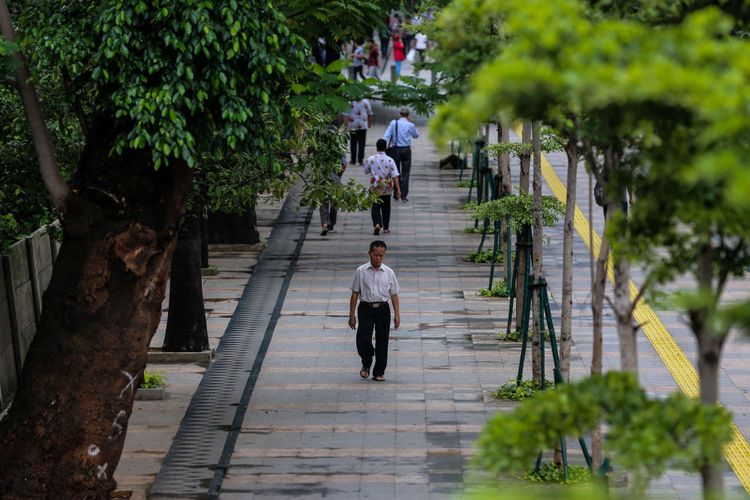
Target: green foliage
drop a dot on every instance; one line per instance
(520, 209)
(500, 289)
(478, 230)
(644, 435)
(463, 184)
(518, 149)
(483, 257)
(516, 392)
(152, 380)
(549, 472)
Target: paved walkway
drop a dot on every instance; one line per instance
(313, 428)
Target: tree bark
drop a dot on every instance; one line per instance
(537, 263)
(64, 433)
(186, 320)
(523, 186)
(53, 182)
(566, 325)
(710, 344)
(505, 189)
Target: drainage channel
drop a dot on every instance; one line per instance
(203, 446)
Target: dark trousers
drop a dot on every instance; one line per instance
(357, 70)
(381, 212)
(357, 140)
(403, 164)
(380, 319)
(328, 214)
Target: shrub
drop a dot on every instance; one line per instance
(515, 336)
(152, 379)
(483, 257)
(499, 290)
(549, 472)
(516, 392)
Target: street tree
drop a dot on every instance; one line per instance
(162, 87)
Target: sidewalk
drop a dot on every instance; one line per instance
(313, 428)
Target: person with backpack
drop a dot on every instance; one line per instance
(399, 135)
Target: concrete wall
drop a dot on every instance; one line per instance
(24, 275)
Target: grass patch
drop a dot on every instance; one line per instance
(152, 379)
(515, 336)
(463, 184)
(549, 472)
(483, 257)
(499, 290)
(516, 392)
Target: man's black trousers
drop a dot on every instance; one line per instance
(357, 140)
(380, 319)
(403, 163)
(381, 212)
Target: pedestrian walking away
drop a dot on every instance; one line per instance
(328, 210)
(358, 62)
(399, 135)
(399, 53)
(358, 121)
(373, 60)
(384, 180)
(374, 284)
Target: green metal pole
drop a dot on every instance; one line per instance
(513, 286)
(524, 322)
(495, 243)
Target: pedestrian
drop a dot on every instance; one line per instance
(358, 120)
(384, 180)
(385, 36)
(324, 53)
(358, 60)
(399, 53)
(374, 283)
(373, 60)
(399, 135)
(420, 45)
(328, 210)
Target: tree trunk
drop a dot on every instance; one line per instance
(709, 354)
(505, 189)
(537, 263)
(598, 287)
(186, 320)
(48, 168)
(64, 433)
(566, 325)
(523, 186)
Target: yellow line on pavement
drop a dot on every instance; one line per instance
(737, 451)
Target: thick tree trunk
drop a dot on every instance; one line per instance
(523, 186)
(186, 320)
(537, 263)
(566, 325)
(64, 433)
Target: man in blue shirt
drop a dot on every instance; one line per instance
(399, 135)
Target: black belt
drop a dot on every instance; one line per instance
(374, 305)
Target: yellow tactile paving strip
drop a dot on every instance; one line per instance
(737, 451)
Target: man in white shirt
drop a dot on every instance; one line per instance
(399, 135)
(358, 121)
(420, 45)
(384, 181)
(374, 283)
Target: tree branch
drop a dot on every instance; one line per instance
(53, 181)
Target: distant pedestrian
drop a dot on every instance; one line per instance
(399, 135)
(328, 210)
(358, 60)
(384, 180)
(385, 36)
(359, 119)
(374, 284)
(420, 45)
(373, 60)
(399, 53)
(324, 53)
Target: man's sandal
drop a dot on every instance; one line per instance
(364, 373)
(378, 378)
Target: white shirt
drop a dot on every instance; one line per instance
(375, 285)
(358, 114)
(421, 41)
(382, 170)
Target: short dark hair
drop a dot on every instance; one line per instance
(381, 145)
(378, 244)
